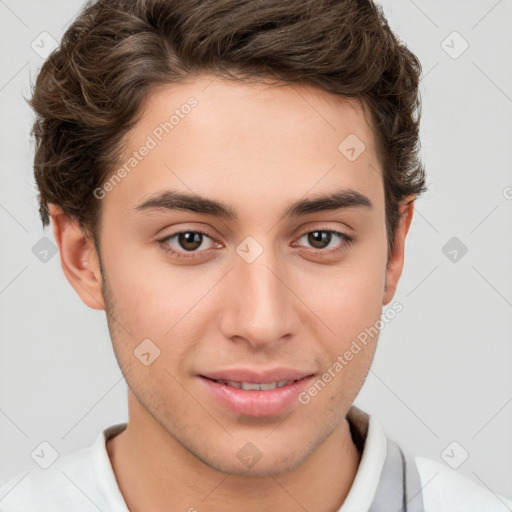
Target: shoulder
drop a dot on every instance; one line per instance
(83, 480)
(68, 481)
(446, 490)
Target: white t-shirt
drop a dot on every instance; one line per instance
(85, 481)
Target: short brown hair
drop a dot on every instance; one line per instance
(91, 88)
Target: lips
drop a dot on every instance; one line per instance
(253, 393)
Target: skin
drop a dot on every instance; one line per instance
(256, 148)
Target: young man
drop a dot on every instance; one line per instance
(233, 183)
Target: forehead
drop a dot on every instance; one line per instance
(223, 107)
(215, 137)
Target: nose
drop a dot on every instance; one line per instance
(260, 309)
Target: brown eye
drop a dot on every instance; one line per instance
(186, 244)
(190, 240)
(326, 241)
(319, 239)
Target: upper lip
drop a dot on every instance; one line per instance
(260, 377)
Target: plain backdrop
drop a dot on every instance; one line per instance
(441, 380)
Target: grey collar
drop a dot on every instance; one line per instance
(399, 488)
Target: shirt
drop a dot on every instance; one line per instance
(85, 481)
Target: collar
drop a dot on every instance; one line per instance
(387, 479)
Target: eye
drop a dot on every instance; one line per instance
(327, 241)
(186, 243)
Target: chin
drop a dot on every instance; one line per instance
(249, 461)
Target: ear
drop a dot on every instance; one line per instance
(396, 259)
(78, 258)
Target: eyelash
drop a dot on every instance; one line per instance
(347, 239)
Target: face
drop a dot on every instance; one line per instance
(225, 314)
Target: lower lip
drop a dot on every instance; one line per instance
(256, 403)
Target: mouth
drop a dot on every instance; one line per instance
(255, 386)
(254, 394)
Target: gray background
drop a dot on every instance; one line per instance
(442, 369)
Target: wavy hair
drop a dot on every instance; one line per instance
(90, 90)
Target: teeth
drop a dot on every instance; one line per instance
(254, 386)
(268, 386)
(250, 386)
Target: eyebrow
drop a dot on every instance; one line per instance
(173, 200)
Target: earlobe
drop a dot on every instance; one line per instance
(78, 257)
(396, 259)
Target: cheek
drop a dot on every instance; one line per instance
(352, 310)
(351, 313)
(361, 295)
(349, 298)
(349, 302)
(155, 300)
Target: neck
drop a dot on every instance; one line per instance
(154, 472)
